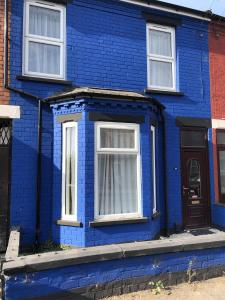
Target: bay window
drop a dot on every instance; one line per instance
(161, 57)
(117, 171)
(44, 40)
(220, 135)
(69, 172)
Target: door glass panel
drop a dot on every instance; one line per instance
(222, 171)
(221, 138)
(5, 133)
(193, 139)
(194, 179)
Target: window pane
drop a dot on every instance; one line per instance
(194, 178)
(44, 58)
(117, 184)
(221, 138)
(193, 139)
(117, 138)
(161, 74)
(160, 43)
(44, 22)
(222, 171)
(70, 171)
(5, 135)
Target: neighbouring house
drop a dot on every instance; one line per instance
(217, 77)
(7, 114)
(114, 143)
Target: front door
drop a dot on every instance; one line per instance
(5, 138)
(195, 179)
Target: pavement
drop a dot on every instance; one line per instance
(206, 232)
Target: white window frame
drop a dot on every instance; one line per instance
(61, 42)
(64, 127)
(154, 184)
(136, 150)
(162, 58)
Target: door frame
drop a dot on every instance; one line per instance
(9, 122)
(195, 149)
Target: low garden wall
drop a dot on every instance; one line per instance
(97, 272)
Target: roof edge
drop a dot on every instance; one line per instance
(173, 8)
(100, 93)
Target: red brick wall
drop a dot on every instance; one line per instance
(4, 94)
(217, 83)
(217, 68)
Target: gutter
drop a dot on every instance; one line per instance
(40, 105)
(171, 8)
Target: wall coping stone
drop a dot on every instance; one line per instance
(52, 260)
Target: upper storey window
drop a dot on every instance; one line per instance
(44, 40)
(161, 56)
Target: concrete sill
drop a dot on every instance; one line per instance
(46, 80)
(69, 223)
(117, 222)
(51, 260)
(156, 215)
(162, 92)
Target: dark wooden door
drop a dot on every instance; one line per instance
(195, 188)
(5, 138)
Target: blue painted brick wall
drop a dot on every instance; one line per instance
(106, 47)
(25, 285)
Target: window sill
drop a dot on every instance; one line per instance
(101, 223)
(156, 215)
(69, 223)
(164, 92)
(46, 80)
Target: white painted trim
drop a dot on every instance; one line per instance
(168, 59)
(10, 111)
(154, 169)
(64, 127)
(136, 150)
(218, 123)
(167, 9)
(60, 42)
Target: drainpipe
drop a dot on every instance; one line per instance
(39, 169)
(167, 234)
(40, 104)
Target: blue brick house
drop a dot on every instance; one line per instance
(114, 140)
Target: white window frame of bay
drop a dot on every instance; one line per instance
(171, 59)
(46, 40)
(64, 215)
(99, 150)
(154, 183)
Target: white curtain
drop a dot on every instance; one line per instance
(44, 58)
(70, 171)
(117, 138)
(161, 73)
(117, 174)
(160, 43)
(44, 22)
